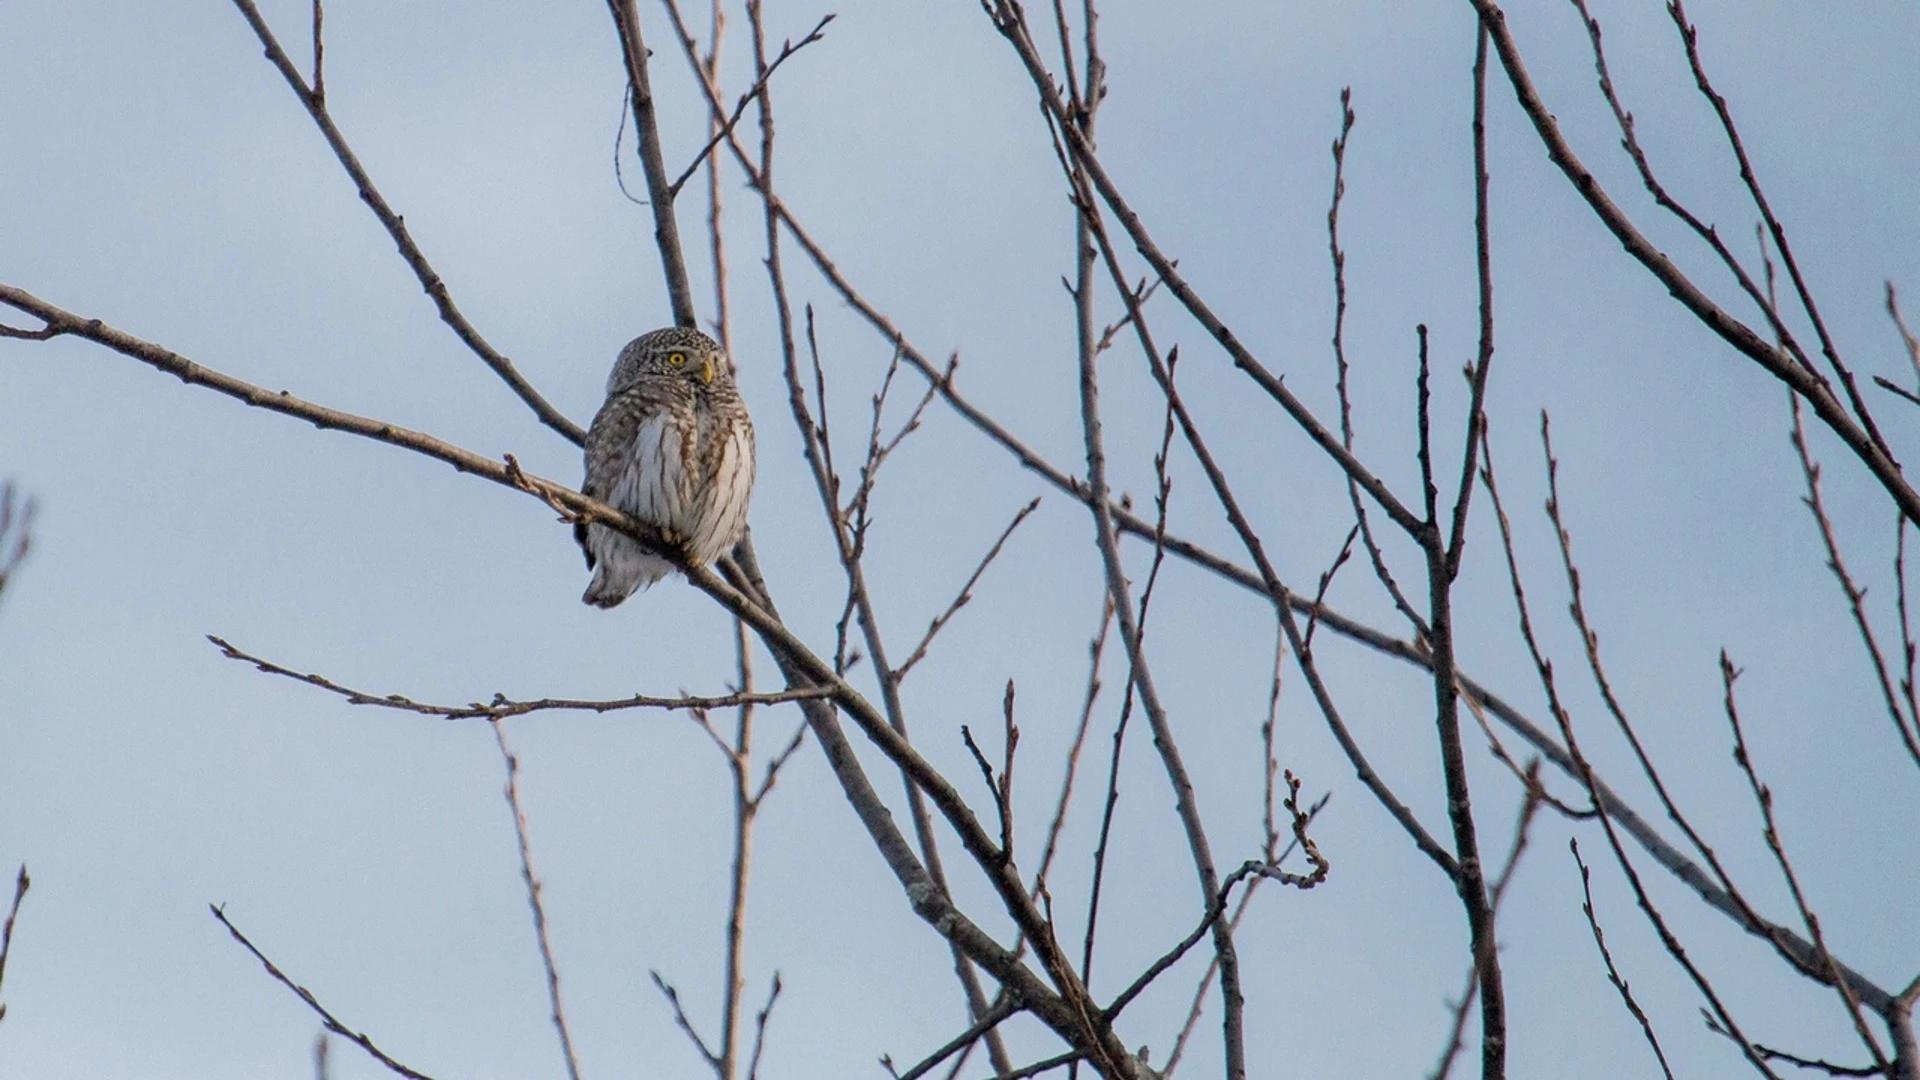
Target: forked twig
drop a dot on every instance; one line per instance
(739, 110)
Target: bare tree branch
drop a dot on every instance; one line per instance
(332, 1023)
(1613, 973)
(501, 707)
(314, 99)
(539, 908)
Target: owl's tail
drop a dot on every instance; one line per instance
(620, 569)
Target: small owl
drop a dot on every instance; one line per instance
(673, 446)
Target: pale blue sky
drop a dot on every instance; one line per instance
(159, 175)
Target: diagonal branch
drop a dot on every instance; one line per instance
(315, 102)
(1776, 361)
(966, 593)
(740, 109)
(332, 1022)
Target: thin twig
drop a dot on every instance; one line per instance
(1907, 726)
(760, 1028)
(1770, 830)
(512, 791)
(684, 1022)
(332, 1022)
(319, 52)
(1818, 1064)
(1483, 265)
(966, 592)
(501, 707)
(1283, 600)
(1630, 142)
(16, 531)
(1690, 39)
(1583, 770)
(21, 883)
(1252, 868)
(1000, 1011)
(1340, 367)
(1213, 964)
(1900, 324)
(739, 110)
(1045, 1065)
(396, 227)
(1613, 973)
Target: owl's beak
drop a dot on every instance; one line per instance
(706, 370)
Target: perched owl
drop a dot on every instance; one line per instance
(673, 447)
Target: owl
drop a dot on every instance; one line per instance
(673, 446)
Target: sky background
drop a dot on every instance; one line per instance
(158, 174)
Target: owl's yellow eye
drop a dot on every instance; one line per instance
(676, 358)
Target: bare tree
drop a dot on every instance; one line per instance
(1010, 934)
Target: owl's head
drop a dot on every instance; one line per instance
(676, 352)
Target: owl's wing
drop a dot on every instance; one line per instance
(608, 445)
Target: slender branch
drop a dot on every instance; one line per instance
(1613, 973)
(1483, 265)
(1713, 889)
(1630, 142)
(1213, 965)
(1763, 797)
(512, 791)
(1011, 23)
(501, 707)
(666, 231)
(1900, 324)
(1690, 39)
(760, 1028)
(1582, 769)
(1908, 726)
(16, 531)
(740, 109)
(21, 883)
(314, 100)
(1185, 803)
(1000, 1011)
(966, 592)
(685, 1023)
(1735, 333)
(1253, 868)
(1283, 600)
(332, 1022)
(319, 53)
(1048, 1065)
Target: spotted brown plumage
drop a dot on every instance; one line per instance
(673, 446)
